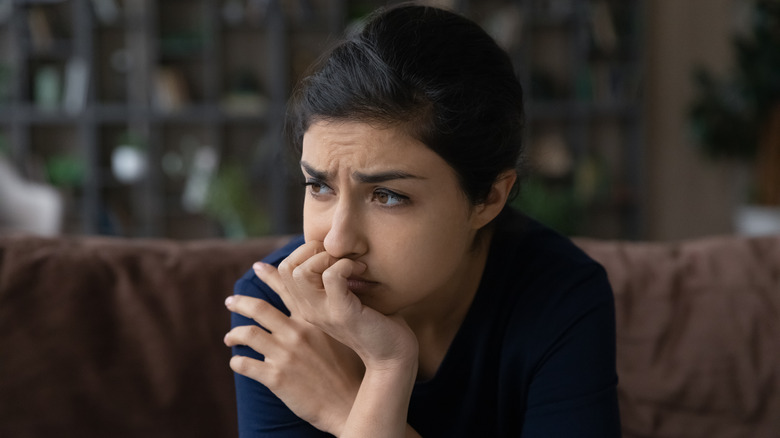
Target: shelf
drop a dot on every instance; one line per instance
(120, 113)
(58, 50)
(28, 114)
(568, 110)
(539, 22)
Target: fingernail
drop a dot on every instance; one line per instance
(259, 266)
(228, 301)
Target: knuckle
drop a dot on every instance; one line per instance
(330, 275)
(259, 307)
(285, 358)
(285, 268)
(299, 274)
(253, 331)
(297, 338)
(245, 334)
(274, 378)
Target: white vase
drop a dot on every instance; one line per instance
(756, 220)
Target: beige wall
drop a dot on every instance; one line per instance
(686, 195)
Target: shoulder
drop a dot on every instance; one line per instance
(534, 255)
(558, 309)
(547, 282)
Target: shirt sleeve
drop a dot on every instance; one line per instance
(574, 389)
(260, 412)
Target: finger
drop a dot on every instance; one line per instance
(335, 281)
(251, 336)
(253, 368)
(271, 276)
(298, 256)
(340, 270)
(261, 311)
(308, 275)
(268, 274)
(290, 291)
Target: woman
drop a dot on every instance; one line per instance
(417, 303)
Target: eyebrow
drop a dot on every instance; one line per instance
(365, 178)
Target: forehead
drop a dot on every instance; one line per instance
(330, 144)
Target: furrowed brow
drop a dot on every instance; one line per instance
(380, 177)
(314, 173)
(365, 178)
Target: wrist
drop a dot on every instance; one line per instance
(392, 379)
(383, 401)
(392, 372)
(400, 354)
(398, 368)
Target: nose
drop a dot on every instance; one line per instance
(345, 237)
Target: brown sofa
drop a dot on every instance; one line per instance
(104, 337)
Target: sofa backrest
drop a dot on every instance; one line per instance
(698, 335)
(104, 337)
(123, 338)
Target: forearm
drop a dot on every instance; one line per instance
(382, 402)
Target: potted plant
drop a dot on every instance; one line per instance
(738, 117)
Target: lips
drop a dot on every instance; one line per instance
(359, 285)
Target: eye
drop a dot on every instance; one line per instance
(389, 198)
(317, 188)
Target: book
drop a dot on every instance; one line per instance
(170, 93)
(76, 86)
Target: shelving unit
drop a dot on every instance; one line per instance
(581, 69)
(193, 91)
(134, 108)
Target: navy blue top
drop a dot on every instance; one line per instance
(534, 357)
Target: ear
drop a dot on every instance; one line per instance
(496, 199)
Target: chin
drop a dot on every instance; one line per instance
(378, 305)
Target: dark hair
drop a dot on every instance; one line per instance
(433, 73)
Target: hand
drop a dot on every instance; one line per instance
(314, 375)
(313, 286)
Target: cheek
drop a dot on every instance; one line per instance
(426, 256)
(315, 223)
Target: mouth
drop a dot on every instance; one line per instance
(359, 285)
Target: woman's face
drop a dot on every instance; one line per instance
(383, 198)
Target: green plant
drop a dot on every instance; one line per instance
(733, 117)
(727, 112)
(555, 205)
(231, 203)
(66, 170)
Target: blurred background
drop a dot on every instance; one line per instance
(651, 120)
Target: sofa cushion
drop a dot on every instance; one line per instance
(698, 326)
(110, 337)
